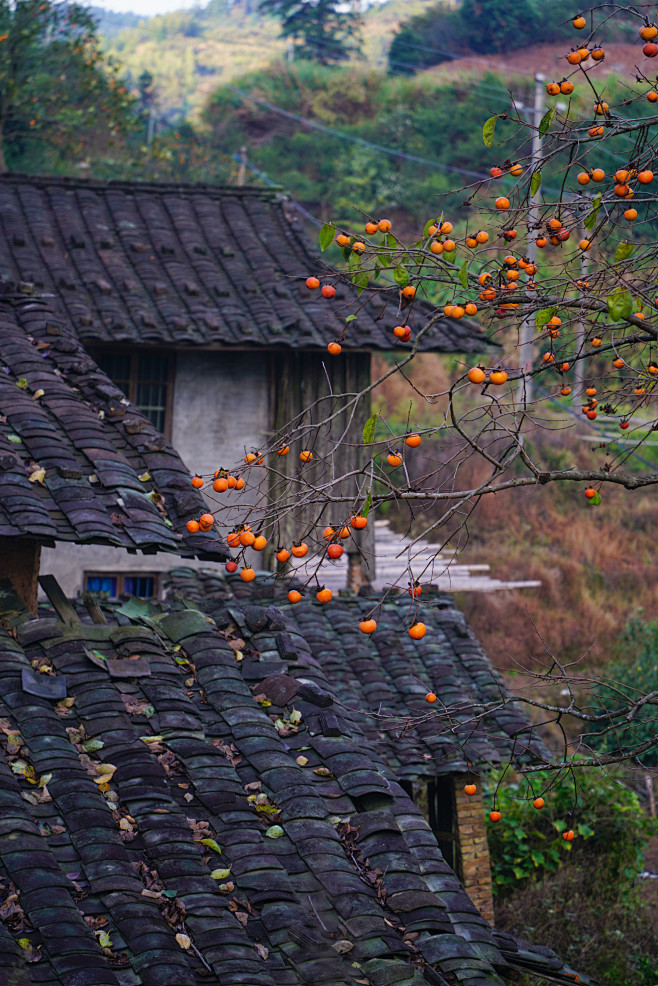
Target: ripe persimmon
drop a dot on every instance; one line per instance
(630, 214)
(413, 441)
(344, 532)
(650, 49)
(538, 803)
(239, 483)
(502, 203)
(220, 485)
(409, 291)
(477, 375)
(436, 247)
(574, 57)
(197, 482)
(482, 236)
(232, 482)
(334, 349)
(394, 459)
(470, 789)
(233, 539)
(618, 363)
(247, 575)
(328, 291)
(583, 178)
(384, 225)
(358, 522)
(329, 533)
(590, 493)
(368, 626)
(324, 595)
(334, 551)
(648, 32)
(567, 87)
(260, 543)
(553, 88)
(312, 283)
(598, 54)
(495, 816)
(498, 377)
(579, 22)
(247, 538)
(430, 697)
(231, 566)
(598, 174)
(294, 596)
(206, 520)
(371, 228)
(300, 549)
(282, 555)
(417, 631)
(305, 456)
(645, 177)
(193, 526)
(569, 835)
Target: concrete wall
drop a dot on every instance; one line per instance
(220, 408)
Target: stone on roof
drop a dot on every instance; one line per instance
(163, 825)
(389, 674)
(187, 265)
(78, 462)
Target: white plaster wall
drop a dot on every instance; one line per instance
(220, 408)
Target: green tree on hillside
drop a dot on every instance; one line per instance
(320, 31)
(59, 97)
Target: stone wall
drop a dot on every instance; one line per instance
(473, 862)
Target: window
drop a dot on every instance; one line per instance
(145, 379)
(115, 584)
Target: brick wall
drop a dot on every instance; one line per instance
(473, 861)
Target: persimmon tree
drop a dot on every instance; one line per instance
(554, 253)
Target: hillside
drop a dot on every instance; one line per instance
(190, 52)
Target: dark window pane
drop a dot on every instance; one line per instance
(117, 367)
(139, 585)
(102, 583)
(151, 392)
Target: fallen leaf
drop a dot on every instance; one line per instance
(302, 761)
(221, 874)
(274, 832)
(343, 946)
(183, 940)
(103, 939)
(262, 950)
(144, 478)
(211, 845)
(323, 772)
(38, 393)
(37, 476)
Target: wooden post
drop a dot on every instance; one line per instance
(19, 563)
(473, 861)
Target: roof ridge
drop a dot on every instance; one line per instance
(253, 191)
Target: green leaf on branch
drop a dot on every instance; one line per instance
(355, 260)
(369, 429)
(463, 274)
(367, 505)
(426, 227)
(449, 256)
(595, 501)
(590, 220)
(620, 305)
(546, 121)
(360, 278)
(544, 316)
(384, 259)
(489, 130)
(535, 183)
(401, 276)
(326, 236)
(624, 250)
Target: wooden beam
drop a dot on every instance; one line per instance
(19, 564)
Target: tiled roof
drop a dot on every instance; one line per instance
(77, 461)
(162, 826)
(390, 674)
(187, 265)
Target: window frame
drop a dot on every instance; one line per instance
(134, 353)
(121, 577)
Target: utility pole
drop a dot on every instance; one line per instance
(242, 168)
(579, 368)
(528, 325)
